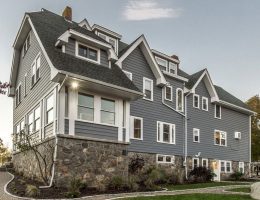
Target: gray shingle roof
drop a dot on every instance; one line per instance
(194, 78)
(50, 26)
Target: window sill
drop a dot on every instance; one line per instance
(140, 139)
(147, 99)
(217, 117)
(196, 107)
(205, 110)
(89, 60)
(91, 122)
(35, 83)
(220, 145)
(168, 99)
(165, 162)
(165, 142)
(48, 124)
(196, 142)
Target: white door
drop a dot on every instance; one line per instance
(216, 169)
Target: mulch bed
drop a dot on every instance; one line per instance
(18, 187)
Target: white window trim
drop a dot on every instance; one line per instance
(220, 138)
(25, 44)
(198, 161)
(239, 135)
(45, 111)
(147, 79)
(198, 130)
(32, 111)
(107, 39)
(230, 167)
(129, 73)
(19, 87)
(196, 95)
(84, 58)
(175, 67)
(115, 111)
(163, 60)
(165, 93)
(207, 162)
(207, 103)
(132, 118)
(78, 105)
(220, 110)
(182, 103)
(164, 159)
(243, 166)
(172, 127)
(25, 85)
(35, 63)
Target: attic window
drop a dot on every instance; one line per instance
(87, 52)
(110, 40)
(172, 68)
(26, 44)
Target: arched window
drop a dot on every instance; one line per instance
(179, 100)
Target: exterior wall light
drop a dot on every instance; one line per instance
(74, 85)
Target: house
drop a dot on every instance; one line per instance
(102, 101)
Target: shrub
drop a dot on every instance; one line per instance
(116, 183)
(136, 164)
(132, 183)
(236, 175)
(32, 191)
(201, 174)
(74, 188)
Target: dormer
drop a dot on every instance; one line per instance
(108, 35)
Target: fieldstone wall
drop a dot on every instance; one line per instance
(26, 163)
(235, 168)
(93, 161)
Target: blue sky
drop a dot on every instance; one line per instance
(223, 36)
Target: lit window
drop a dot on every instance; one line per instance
(196, 101)
(137, 128)
(196, 135)
(168, 93)
(220, 138)
(36, 70)
(195, 163)
(242, 167)
(49, 109)
(128, 74)
(148, 88)
(164, 158)
(37, 118)
(163, 63)
(107, 111)
(165, 132)
(18, 95)
(85, 107)
(172, 68)
(205, 162)
(88, 53)
(218, 111)
(205, 103)
(180, 100)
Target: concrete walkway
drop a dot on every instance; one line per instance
(5, 178)
(255, 191)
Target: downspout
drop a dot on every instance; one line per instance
(56, 142)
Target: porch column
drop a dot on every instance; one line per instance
(73, 101)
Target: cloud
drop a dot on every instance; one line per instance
(147, 10)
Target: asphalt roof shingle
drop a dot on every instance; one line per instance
(50, 26)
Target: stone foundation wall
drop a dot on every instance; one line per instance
(94, 162)
(26, 162)
(235, 168)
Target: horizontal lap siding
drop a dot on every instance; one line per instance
(151, 112)
(96, 130)
(230, 122)
(48, 130)
(41, 87)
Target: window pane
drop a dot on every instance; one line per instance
(180, 100)
(168, 159)
(86, 113)
(166, 133)
(168, 91)
(66, 102)
(22, 125)
(112, 42)
(107, 105)
(148, 94)
(196, 101)
(37, 124)
(102, 36)
(86, 100)
(83, 51)
(217, 137)
(228, 165)
(28, 41)
(38, 62)
(172, 68)
(49, 102)
(31, 118)
(204, 163)
(160, 158)
(222, 166)
(37, 113)
(107, 117)
(218, 111)
(148, 85)
(92, 54)
(18, 128)
(162, 63)
(49, 116)
(137, 128)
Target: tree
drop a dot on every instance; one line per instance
(4, 153)
(4, 87)
(43, 153)
(254, 104)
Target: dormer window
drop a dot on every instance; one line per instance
(87, 52)
(111, 40)
(163, 63)
(166, 66)
(26, 44)
(172, 68)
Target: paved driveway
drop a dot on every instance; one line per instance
(5, 177)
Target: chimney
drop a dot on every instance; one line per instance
(175, 57)
(67, 13)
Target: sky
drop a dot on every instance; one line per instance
(222, 36)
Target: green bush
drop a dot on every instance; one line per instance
(136, 164)
(132, 183)
(32, 191)
(236, 175)
(116, 183)
(200, 175)
(74, 188)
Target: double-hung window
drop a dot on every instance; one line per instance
(107, 111)
(18, 95)
(168, 93)
(164, 158)
(226, 166)
(49, 109)
(85, 107)
(30, 122)
(205, 105)
(241, 167)
(111, 40)
(196, 135)
(220, 138)
(136, 128)
(172, 68)
(36, 70)
(148, 89)
(179, 100)
(165, 132)
(217, 111)
(205, 162)
(88, 53)
(196, 101)
(163, 63)
(37, 118)
(195, 163)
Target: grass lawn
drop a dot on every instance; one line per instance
(246, 190)
(201, 185)
(195, 197)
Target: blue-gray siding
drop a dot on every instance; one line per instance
(230, 122)
(96, 130)
(151, 112)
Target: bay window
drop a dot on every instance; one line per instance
(85, 107)
(107, 111)
(165, 132)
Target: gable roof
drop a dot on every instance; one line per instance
(193, 79)
(141, 41)
(50, 26)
